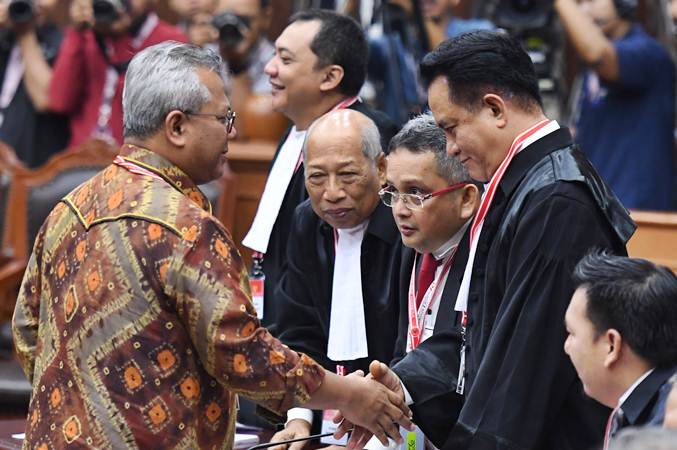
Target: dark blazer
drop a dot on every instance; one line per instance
(522, 392)
(296, 193)
(431, 380)
(646, 404)
(303, 295)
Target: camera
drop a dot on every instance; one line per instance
(108, 11)
(231, 28)
(21, 11)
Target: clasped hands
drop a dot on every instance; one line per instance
(374, 405)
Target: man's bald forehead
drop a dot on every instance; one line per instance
(342, 119)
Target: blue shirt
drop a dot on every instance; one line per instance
(626, 127)
(459, 26)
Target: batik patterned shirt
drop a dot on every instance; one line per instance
(134, 321)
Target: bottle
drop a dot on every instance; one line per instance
(257, 281)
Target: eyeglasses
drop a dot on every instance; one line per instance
(414, 202)
(228, 120)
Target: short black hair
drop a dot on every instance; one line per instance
(340, 41)
(422, 135)
(635, 297)
(480, 62)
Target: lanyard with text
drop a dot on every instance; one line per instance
(341, 105)
(417, 318)
(475, 229)
(135, 168)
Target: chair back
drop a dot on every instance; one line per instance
(33, 194)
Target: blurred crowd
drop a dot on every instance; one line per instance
(62, 66)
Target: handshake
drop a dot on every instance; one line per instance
(371, 405)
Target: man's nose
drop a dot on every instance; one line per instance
(399, 208)
(333, 191)
(269, 69)
(452, 148)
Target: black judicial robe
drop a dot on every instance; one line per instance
(522, 392)
(296, 194)
(431, 382)
(304, 291)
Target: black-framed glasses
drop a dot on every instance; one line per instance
(228, 119)
(414, 202)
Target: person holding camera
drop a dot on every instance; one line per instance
(90, 69)
(29, 43)
(241, 26)
(627, 104)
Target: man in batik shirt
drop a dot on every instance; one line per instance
(134, 321)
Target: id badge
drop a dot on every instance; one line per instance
(256, 285)
(412, 440)
(328, 426)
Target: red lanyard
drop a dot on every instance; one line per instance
(488, 198)
(135, 168)
(417, 318)
(496, 179)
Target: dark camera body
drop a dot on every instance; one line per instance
(21, 11)
(231, 28)
(108, 11)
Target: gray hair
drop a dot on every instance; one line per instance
(420, 135)
(647, 438)
(163, 78)
(371, 140)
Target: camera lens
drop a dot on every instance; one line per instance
(20, 11)
(230, 29)
(105, 11)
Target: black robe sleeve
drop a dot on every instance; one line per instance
(300, 304)
(525, 393)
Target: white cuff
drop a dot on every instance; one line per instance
(300, 413)
(407, 396)
(375, 444)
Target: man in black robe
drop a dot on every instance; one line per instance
(336, 296)
(544, 208)
(433, 202)
(319, 65)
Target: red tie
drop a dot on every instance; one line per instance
(426, 275)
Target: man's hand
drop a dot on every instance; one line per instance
(382, 373)
(296, 428)
(360, 435)
(375, 408)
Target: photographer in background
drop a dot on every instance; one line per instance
(29, 43)
(89, 71)
(241, 27)
(627, 107)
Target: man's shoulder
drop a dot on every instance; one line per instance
(639, 45)
(113, 195)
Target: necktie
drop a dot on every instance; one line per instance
(426, 275)
(615, 423)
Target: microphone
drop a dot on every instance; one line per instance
(291, 441)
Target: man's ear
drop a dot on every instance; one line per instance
(470, 201)
(176, 128)
(381, 166)
(496, 107)
(614, 342)
(333, 74)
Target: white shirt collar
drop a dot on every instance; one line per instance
(452, 243)
(632, 388)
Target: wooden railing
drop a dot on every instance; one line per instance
(655, 238)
